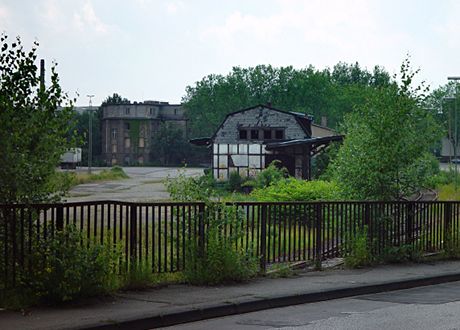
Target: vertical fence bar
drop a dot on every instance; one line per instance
(263, 239)
(318, 243)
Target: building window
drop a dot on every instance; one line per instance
(151, 111)
(175, 111)
(114, 133)
(279, 134)
(141, 142)
(127, 143)
(127, 126)
(114, 148)
(267, 134)
(127, 111)
(243, 134)
(254, 134)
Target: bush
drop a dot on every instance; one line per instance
(297, 190)
(64, 268)
(273, 173)
(359, 254)
(190, 189)
(403, 253)
(220, 261)
(234, 182)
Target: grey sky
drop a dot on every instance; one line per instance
(153, 49)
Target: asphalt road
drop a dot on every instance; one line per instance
(145, 184)
(430, 307)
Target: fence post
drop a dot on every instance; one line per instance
(263, 239)
(318, 240)
(447, 239)
(201, 219)
(410, 222)
(60, 217)
(133, 233)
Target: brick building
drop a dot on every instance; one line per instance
(129, 129)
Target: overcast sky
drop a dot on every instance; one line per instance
(153, 49)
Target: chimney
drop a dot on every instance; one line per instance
(42, 74)
(324, 121)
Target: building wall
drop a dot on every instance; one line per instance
(128, 130)
(248, 156)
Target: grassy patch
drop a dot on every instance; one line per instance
(67, 180)
(448, 192)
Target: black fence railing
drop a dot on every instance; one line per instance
(157, 233)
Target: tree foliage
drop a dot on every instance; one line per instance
(34, 130)
(116, 99)
(384, 155)
(330, 92)
(169, 145)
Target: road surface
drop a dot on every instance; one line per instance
(430, 307)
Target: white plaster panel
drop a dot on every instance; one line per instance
(254, 161)
(243, 149)
(233, 149)
(240, 160)
(223, 161)
(223, 148)
(223, 175)
(215, 173)
(214, 148)
(254, 148)
(216, 160)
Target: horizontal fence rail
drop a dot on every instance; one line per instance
(158, 233)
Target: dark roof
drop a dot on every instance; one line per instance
(313, 142)
(201, 141)
(301, 118)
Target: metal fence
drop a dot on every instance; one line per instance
(158, 233)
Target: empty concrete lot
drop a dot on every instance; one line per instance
(145, 184)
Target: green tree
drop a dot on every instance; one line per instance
(384, 155)
(330, 93)
(169, 145)
(34, 130)
(116, 98)
(82, 129)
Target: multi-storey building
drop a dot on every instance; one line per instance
(128, 129)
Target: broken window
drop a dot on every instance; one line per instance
(267, 134)
(279, 134)
(127, 126)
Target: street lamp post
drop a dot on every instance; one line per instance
(456, 79)
(90, 133)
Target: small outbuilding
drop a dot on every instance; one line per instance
(248, 140)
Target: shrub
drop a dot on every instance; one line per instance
(234, 182)
(65, 267)
(359, 254)
(189, 189)
(398, 254)
(297, 190)
(273, 173)
(220, 260)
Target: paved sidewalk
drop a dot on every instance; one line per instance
(181, 303)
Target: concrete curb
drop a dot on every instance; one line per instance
(192, 315)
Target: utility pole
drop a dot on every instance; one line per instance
(456, 79)
(90, 132)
